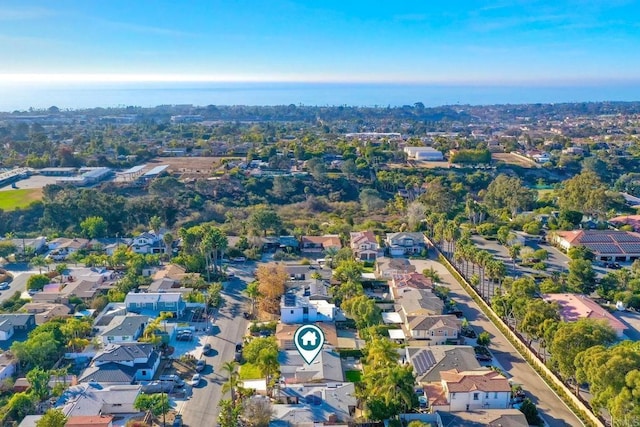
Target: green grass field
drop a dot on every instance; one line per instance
(19, 198)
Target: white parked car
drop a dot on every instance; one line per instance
(195, 380)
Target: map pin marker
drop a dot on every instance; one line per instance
(309, 340)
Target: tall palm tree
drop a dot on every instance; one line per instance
(380, 352)
(39, 262)
(483, 258)
(232, 378)
(253, 292)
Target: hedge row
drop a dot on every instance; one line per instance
(586, 417)
(347, 352)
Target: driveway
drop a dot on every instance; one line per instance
(230, 327)
(551, 407)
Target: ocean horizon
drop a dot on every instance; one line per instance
(23, 97)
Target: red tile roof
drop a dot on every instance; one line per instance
(465, 381)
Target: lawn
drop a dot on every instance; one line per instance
(249, 371)
(19, 198)
(353, 376)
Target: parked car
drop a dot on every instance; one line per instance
(186, 335)
(177, 421)
(4, 286)
(206, 349)
(239, 346)
(195, 380)
(200, 365)
(239, 259)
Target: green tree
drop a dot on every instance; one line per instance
(20, 405)
(42, 348)
(586, 193)
(263, 219)
(157, 404)
(363, 310)
(252, 291)
(433, 274)
(349, 271)
(230, 385)
(572, 338)
(38, 262)
(7, 248)
(94, 227)
(39, 380)
(509, 192)
(530, 412)
(37, 282)
(537, 312)
(52, 418)
(252, 350)
(389, 391)
(581, 278)
(484, 339)
(606, 370)
(229, 413)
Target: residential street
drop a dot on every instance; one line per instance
(551, 408)
(202, 408)
(18, 284)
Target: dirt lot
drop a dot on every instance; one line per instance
(188, 165)
(512, 159)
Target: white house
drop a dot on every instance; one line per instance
(95, 399)
(7, 366)
(469, 390)
(148, 243)
(405, 243)
(295, 308)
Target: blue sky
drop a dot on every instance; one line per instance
(401, 41)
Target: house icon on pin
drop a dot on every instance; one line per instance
(309, 339)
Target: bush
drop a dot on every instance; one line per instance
(487, 229)
(37, 282)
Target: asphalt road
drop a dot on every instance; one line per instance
(229, 329)
(18, 284)
(551, 407)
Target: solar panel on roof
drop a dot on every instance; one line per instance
(624, 237)
(630, 248)
(596, 238)
(423, 361)
(608, 248)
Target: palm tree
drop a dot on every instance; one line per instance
(483, 258)
(330, 253)
(253, 292)
(38, 261)
(380, 352)
(232, 378)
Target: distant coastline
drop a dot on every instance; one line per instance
(89, 95)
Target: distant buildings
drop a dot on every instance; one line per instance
(424, 153)
(607, 245)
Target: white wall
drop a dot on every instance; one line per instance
(486, 400)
